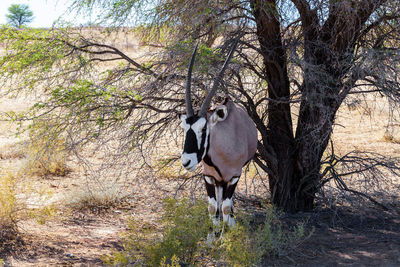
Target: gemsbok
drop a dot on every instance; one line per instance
(223, 139)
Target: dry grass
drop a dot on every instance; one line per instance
(12, 151)
(362, 128)
(97, 198)
(44, 162)
(388, 137)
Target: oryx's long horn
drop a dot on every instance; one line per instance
(189, 108)
(207, 100)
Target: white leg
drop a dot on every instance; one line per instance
(227, 203)
(227, 210)
(212, 210)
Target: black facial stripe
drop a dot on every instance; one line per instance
(191, 145)
(190, 142)
(203, 141)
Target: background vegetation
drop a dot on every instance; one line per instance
(19, 15)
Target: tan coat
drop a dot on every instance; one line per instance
(233, 142)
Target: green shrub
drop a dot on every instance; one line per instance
(185, 227)
(134, 243)
(271, 238)
(249, 244)
(235, 247)
(182, 241)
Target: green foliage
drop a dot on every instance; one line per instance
(206, 56)
(174, 262)
(273, 239)
(32, 53)
(183, 239)
(115, 11)
(186, 224)
(250, 245)
(19, 15)
(236, 248)
(135, 242)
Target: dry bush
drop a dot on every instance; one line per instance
(43, 161)
(97, 197)
(45, 151)
(12, 151)
(10, 211)
(170, 168)
(388, 137)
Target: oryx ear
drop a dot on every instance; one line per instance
(219, 114)
(183, 119)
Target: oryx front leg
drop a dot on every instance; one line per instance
(227, 203)
(213, 200)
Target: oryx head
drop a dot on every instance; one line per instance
(197, 126)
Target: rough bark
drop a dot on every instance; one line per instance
(282, 178)
(328, 52)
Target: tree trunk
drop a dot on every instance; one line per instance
(294, 173)
(295, 176)
(279, 136)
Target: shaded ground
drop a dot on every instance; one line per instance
(79, 240)
(341, 238)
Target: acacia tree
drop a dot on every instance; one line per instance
(305, 54)
(19, 15)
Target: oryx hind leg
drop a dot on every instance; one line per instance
(227, 203)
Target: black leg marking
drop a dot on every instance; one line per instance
(210, 187)
(213, 204)
(229, 188)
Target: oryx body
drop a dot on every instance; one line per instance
(223, 140)
(233, 142)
